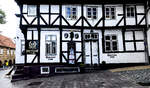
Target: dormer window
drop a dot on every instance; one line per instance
(130, 11)
(71, 13)
(92, 12)
(32, 10)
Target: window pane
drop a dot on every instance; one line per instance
(74, 9)
(114, 38)
(89, 9)
(107, 38)
(94, 13)
(112, 9)
(48, 37)
(128, 9)
(53, 48)
(107, 46)
(94, 17)
(128, 14)
(114, 44)
(31, 10)
(107, 9)
(68, 12)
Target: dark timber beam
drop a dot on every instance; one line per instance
(145, 34)
(123, 29)
(60, 28)
(82, 42)
(103, 15)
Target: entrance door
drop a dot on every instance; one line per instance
(91, 50)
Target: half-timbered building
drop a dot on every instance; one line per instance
(59, 36)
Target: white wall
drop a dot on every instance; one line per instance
(55, 9)
(43, 58)
(19, 36)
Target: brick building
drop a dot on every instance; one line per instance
(7, 50)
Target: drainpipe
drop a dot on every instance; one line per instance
(145, 37)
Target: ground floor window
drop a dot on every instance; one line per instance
(50, 45)
(111, 43)
(134, 40)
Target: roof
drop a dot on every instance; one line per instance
(6, 42)
(78, 1)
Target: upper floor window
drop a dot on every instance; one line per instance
(110, 12)
(32, 10)
(111, 43)
(51, 45)
(130, 11)
(71, 12)
(92, 12)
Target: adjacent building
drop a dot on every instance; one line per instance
(58, 35)
(7, 51)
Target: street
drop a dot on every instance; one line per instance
(99, 79)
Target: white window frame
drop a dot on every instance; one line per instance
(8, 52)
(1, 50)
(130, 12)
(45, 67)
(111, 43)
(110, 15)
(51, 45)
(31, 10)
(92, 12)
(71, 17)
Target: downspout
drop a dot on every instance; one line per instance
(145, 37)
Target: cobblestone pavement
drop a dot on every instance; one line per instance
(99, 79)
(137, 76)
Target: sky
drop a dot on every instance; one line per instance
(10, 8)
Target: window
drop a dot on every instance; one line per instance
(51, 45)
(111, 43)
(32, 10)
(8, 51)
(22, 47)
(110, 12)
(11, 52)
(1, 50)
(134, 40)
(71, 12)
(45, 70)
(92, 12)
(130, 11)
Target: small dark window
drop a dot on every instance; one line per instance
(71, 12)
(110, 12)
(130, 11)
(92, 12)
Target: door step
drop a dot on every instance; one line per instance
(67, 69)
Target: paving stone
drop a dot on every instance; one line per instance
(99, 79)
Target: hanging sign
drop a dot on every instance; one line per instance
(32, 46)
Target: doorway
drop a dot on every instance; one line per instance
(91, 48)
